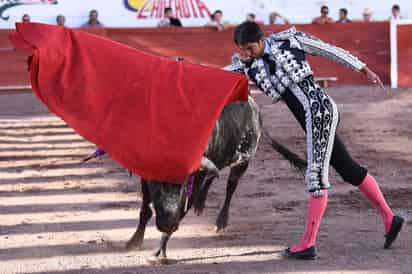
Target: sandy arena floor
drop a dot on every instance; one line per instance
(58, 216)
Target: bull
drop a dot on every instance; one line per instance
(232, 144)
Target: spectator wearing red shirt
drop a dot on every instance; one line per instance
(323, 18)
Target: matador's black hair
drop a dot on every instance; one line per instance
(248, 32)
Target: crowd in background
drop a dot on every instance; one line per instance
(92, 22)
(324, 18)
(367, 15)
(217, 20)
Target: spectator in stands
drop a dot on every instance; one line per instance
(396, 13)
(60, 20)
(169, 20)
(25, 18)
(93, 21)
(367, 15)
(274, 19)
(216, 21)
(323, 18)
(343, 16)
(251, 17)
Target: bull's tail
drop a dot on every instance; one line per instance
(292, 157)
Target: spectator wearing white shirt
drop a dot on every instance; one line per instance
(276, 18)
(367, 15)
(396, 13)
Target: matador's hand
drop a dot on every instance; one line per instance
(373, 77)
(239, 58)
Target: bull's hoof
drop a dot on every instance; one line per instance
(159, 260)
(220, 228)
(134, 244)
(221, 223)
(199, 211)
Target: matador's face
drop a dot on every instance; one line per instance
(253, 50)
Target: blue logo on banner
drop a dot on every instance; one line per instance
(7, 4)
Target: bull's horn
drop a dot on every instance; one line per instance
(99, 152)
(208, 165)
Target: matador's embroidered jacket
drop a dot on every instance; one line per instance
(283, 68)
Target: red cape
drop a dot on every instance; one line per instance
(152, 114)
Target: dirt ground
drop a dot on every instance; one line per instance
(59, 216)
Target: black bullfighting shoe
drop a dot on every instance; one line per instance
(396, 227)
(306, 254)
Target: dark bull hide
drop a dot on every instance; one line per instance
(232, 144)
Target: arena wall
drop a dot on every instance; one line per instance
(369, 41)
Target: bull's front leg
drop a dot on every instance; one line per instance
(200, 201)
(236, 173)
(160, 257)
(145, 215)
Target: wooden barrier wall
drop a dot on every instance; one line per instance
(369, 41)
(404, 36)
